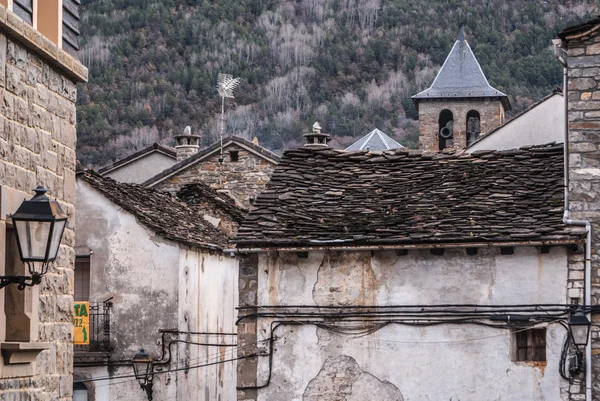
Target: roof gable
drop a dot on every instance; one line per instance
(337, 198)
(160, 212)
(375, 141)
(461, 76)
(155, 147)
(257, 150)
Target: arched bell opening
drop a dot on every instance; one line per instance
(446, 129)
(473, 126)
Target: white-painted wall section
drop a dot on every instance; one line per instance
(542, 124)
(158, 284)
(143, 168)
(445, 362)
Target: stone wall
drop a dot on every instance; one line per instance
(584, 163)
(247, 338)
(37, 146)
(243, 180)
(491, 113)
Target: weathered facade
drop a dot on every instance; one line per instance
(38, 80)
(161, 265)
(582, 44)
(382, 273)
(460, 105)
(542, 122)
(241, 170)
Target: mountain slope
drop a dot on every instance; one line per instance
(350, 64)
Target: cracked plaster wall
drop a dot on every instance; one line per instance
(447, 362)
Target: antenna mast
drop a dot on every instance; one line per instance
(225, 85)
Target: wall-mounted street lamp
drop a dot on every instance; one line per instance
(579, 331)
(39, 225)
(143, 369)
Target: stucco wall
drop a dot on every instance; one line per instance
(209, 296)
(446, 362)
(139, 170)
(139, 270)
(543, 124)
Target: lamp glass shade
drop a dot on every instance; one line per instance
(142, 367)
(579, 326)
(33, 238)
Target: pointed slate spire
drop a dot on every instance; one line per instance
(461, 76)
(375, 141)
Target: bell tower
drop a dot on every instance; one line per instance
(460, 105)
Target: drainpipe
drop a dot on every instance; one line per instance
(560, 54)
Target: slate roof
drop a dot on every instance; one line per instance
(374, 141)
(167, 150)
(337, 198)
(190, 161)
(198, 193)
(587, 28)
(461, 76)
(159, 211)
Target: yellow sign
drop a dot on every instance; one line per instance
(82, 323)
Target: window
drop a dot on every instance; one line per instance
(233, 155)
(82, 279)
(446, 129)
(80, 392)
(70, 26)
(24, 9)
(529, 345)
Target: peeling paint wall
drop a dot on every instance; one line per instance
(208, 298)
(446, 362)
(157, 284)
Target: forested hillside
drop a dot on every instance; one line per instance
(350, 64)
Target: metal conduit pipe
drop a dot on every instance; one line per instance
(561, 55)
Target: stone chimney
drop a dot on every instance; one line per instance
(316, 139)
(187, 144)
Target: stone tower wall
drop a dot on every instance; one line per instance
(491, 113)
(584, 168)
(37, 146)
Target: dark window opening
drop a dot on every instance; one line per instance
(473, 126)
(530, 345)
(437, 251)
(401, 252)
(82, 279)
(507, 250)
(234, 155)
(446, 129)
(544, 249)
(471, 251)
(302, 255)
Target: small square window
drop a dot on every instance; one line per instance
(233, 155)
(529, 345)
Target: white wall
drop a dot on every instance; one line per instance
(140, 170)
(543, 124)
(209, 296)
(446, 362)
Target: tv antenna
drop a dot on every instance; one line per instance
(225, 85)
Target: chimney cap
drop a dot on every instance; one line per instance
(316, 138)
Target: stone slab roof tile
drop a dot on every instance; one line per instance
(195, 193)
(337, 198)
(160, 212)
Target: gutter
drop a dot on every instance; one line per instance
(560, 54)
(350, 248)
